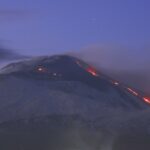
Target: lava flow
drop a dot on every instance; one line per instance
(92, 71)
(146, 99)
(89, 69)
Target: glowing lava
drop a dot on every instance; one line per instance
(89, 69)
(146, 99)
(92, 71)
(132, 91)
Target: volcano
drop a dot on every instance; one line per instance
(61, 102)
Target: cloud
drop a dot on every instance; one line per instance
(116, 57)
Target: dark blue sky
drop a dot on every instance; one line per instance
(45, 26)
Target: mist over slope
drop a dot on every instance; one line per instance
(129, 65)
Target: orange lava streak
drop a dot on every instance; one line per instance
(146, 99)
(89, 69)
(92, 71)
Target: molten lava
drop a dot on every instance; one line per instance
(92, 71)
(89, 69)
(146, 99)
(132, 91)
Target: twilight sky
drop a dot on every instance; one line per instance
(47, 26)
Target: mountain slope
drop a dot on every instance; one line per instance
(61, 85)
(62, 97)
